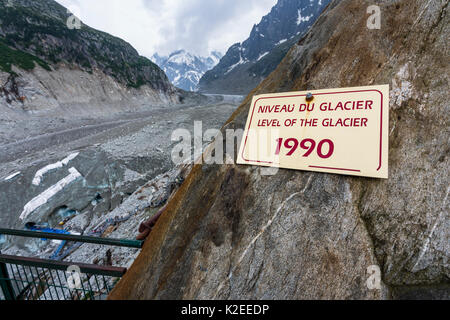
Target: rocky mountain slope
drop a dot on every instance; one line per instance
(50, 59)
(246, 64)
(230, 232)
(185, 69)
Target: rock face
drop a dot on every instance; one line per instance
(55, 56)
(66, 91)
(232, 233)
(246, 64)
(185, 69)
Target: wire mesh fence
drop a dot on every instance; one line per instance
(35, 279)
(23, 278)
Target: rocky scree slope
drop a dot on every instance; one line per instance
(231, 233)
(246, 64)
(185, 69)
(46, 64)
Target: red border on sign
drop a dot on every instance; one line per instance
(304, 95)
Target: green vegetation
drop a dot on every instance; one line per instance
(29, 24)
(140, 82)
(33, 36)
(19, 58)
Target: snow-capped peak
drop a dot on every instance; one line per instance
(181, 57)
(185, 69)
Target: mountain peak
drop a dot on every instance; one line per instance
(185, 69)
(247, 63)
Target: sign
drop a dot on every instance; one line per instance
(342, 131)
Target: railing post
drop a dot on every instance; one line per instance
(5, 283)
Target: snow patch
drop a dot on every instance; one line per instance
(301, 19)
(177, 78)
(263, 55)
(215, 58)
(49, 193)
(182, 58)
(12, 176)
(241, 61)
(40, 173)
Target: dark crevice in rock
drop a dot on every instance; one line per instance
(375, 248)
(428, 41)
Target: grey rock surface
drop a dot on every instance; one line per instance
(232, 233)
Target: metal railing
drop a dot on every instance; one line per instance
(70, 237)
(23, 278)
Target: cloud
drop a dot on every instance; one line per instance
(163, 26)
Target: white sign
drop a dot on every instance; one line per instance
(342, 131)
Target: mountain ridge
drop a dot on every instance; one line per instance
(40, 29)
(184, 69)
(247, 63)
(94, 70)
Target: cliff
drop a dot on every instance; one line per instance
(231, 233)
(50, 59)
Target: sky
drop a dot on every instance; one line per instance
(163, 26)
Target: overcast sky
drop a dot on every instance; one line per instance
(163, 26)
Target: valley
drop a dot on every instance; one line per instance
(101, 162)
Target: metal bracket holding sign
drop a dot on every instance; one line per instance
(341, 131)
